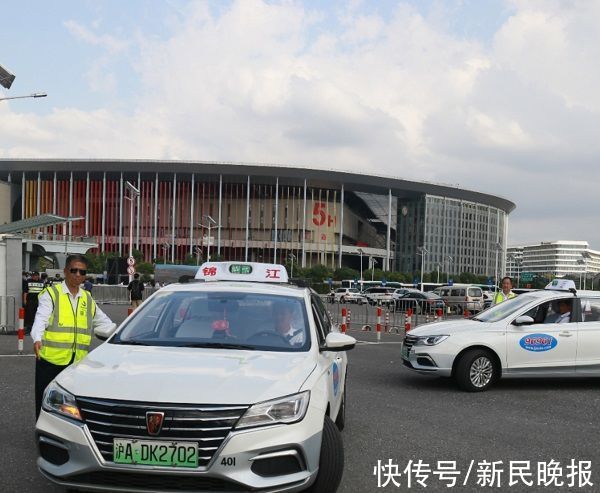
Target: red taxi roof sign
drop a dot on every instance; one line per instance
(242, 271)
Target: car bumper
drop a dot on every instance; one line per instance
(86, 468)
(427, 360)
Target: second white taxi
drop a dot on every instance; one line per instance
(548, 333)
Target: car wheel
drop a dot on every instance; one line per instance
(340, 421)
(476, 371)
(331, 461)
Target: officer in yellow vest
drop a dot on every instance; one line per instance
(63, 326)
(506, 293)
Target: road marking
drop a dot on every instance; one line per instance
(378, 343)
(15, 355)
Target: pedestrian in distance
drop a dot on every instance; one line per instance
(33, 287)
(506, 293)
(64, 323)
(136, 291)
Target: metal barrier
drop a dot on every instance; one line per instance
(8, 315)
(117, 294)
(397, 316)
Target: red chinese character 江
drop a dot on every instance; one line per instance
(273, 274)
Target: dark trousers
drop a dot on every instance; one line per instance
(45, 372)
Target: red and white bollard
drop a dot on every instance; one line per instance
(21, 331)
(378, 324)
(466, 313)
(408, 320)
(343, 320)
(130, 310)
(438, 314)
(387, 321)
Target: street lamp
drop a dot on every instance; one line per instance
(498, 248)
(450, 260)
(422, 251)
(438, 265)
(210, 222)
(360, 251)
(34, 95)
(292, 257)
(134, 193)
(586, 256)
(373, 262)
(70, 219)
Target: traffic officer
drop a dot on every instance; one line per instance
(506, 293)
(63, 326)
(31, 289)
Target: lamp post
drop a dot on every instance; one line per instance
(34, 95)
(210, 222)
(133, 195)
(292, 258)
(450, 260)
(70, 219)
(580, 262)
(586, 257)
(422, 251)
(373, 261)
(360, 251)
(498, 248)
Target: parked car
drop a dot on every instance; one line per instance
(421, 302)
(348, 295)
(400, 292)
(462, 297)
(379, 295)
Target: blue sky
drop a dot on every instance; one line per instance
(496, 96)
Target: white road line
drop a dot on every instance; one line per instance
(378, 343)
(15, 355)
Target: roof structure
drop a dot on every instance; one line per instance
(34, 222)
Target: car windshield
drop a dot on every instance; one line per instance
(504, 309)
(227, 320)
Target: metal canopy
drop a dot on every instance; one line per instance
(34, 222)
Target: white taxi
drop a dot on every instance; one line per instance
(548, 333)
(232, 383)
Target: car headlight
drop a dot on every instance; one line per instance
(286, 410)
(430, 340)
(58, 400)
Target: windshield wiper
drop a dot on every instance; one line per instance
(218, 345)
(475, 318)
(132, 342)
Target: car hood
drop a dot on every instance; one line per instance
(449, 328)
(186, 375)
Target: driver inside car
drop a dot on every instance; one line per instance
(286, 324)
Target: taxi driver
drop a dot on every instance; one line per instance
(286, 323)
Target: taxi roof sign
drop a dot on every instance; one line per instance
(561, 285)
(242, 271)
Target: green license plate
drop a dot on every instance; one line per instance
(404, 352)
(155, 453)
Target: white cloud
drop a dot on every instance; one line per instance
(400, 95)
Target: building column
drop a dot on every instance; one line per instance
(276, 219)
(341, 227)
(121, 215)
(304, 229)
(192, 225)
(173, 218)
(87, 204)
(103, 211)
(220, 213)
(247, 217)
(389, 233)
(155, 216)
(137, 212)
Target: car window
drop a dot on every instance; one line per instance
(475, 292)
(551, 312)
(238, 320)
(340, 290)
(590, 309)
(321, 319)
(504, 309)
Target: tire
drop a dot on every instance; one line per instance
(476, 371)
(331, 460)
(340, 421)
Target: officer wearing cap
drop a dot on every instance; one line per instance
(63, 326)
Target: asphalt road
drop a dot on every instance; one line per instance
(393, 415)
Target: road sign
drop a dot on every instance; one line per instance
(330, 282)
(130, 261)
(490, 281)
(384, 281)
(527, 276)
(131, 270)
(450, 282)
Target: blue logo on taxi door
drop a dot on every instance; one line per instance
(335, 373)
(538, 342)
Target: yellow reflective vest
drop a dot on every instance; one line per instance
(499, 298)
(69, 332)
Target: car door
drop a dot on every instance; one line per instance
(333, 362)
(544, 346)
(588, 340)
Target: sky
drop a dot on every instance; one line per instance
(496, 96)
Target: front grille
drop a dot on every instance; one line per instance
(208, 425)
(409, 341)
(155, 482)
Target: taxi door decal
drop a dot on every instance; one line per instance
(538, 342)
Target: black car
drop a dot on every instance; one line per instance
(420, 302)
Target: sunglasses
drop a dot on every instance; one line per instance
(82, 272)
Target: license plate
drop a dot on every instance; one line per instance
(404, 352)
(155, 453)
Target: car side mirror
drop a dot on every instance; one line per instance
(336, 341)
(523, 320)
(103, 333)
